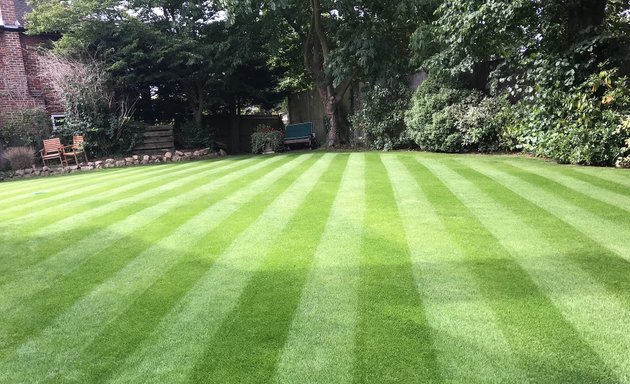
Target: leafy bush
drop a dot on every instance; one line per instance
(266, 135)
(580, 126)
(20, 157)
(483, 125)
(93, 105)
(27, 127)
(381, 116)
(624, 129)
(432, 120)
(4, 164)
(446, 118)
(190, 135)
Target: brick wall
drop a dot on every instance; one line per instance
(38, 84)
(14, 86)
(7, 12)
(21, 83)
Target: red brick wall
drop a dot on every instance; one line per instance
(7, 12)
(21, 83)
(37, 83)
(14, 92)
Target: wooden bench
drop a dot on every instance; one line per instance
(299, 134)
(53, 149)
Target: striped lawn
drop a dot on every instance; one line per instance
(318, 268)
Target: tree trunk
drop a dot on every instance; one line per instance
(316, 56)
(145, 105)
(234, 127)
(330, 104)
(333, 118)
(198, 104)
(198, 117)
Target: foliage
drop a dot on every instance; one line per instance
(624, 130)
(381, 115)
(447, 118)
(92, 105)
(181, 60)
(20, 157)
(4, 164)
(27, 127)
(483, 125)
(524, 35)
(542, 56)
(190, 135)
(581, 126)
(335, 43)
(436, 108)
(267, 136)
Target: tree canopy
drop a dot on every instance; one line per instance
(182, 55)
(184, 59)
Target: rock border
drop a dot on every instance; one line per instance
(128, 161)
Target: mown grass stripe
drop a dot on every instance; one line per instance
(53, 300)
(10, 188)
(73, 188)
(393, 336)
(598, 181)
(320, 346)
(46, 272)
(123, 335)
(617, 176)
(581, 300)
(602, 264)
(29, 186)
(596, 207)
(29, 214)
(536, 330)
(53, 223)
(115, 221)
(470, 345)
(593, 191)
(27, 209)
(89, 208)
(57, 349)
(254, 332)
(610, 235)
(193, 322)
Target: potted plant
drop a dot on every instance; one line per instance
(267, 139)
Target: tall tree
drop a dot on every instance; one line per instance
(182, 54)
(338, 41)
(531, 39)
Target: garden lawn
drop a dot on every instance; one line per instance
(318, 268)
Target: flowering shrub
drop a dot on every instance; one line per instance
(266, 136)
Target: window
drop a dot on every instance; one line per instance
(57, 121)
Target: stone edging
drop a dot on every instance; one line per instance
(133, 160)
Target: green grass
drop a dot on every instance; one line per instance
(318, 268)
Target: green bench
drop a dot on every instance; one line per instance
(299, 134)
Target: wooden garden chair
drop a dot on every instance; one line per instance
(75, 149)
(53, 150)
